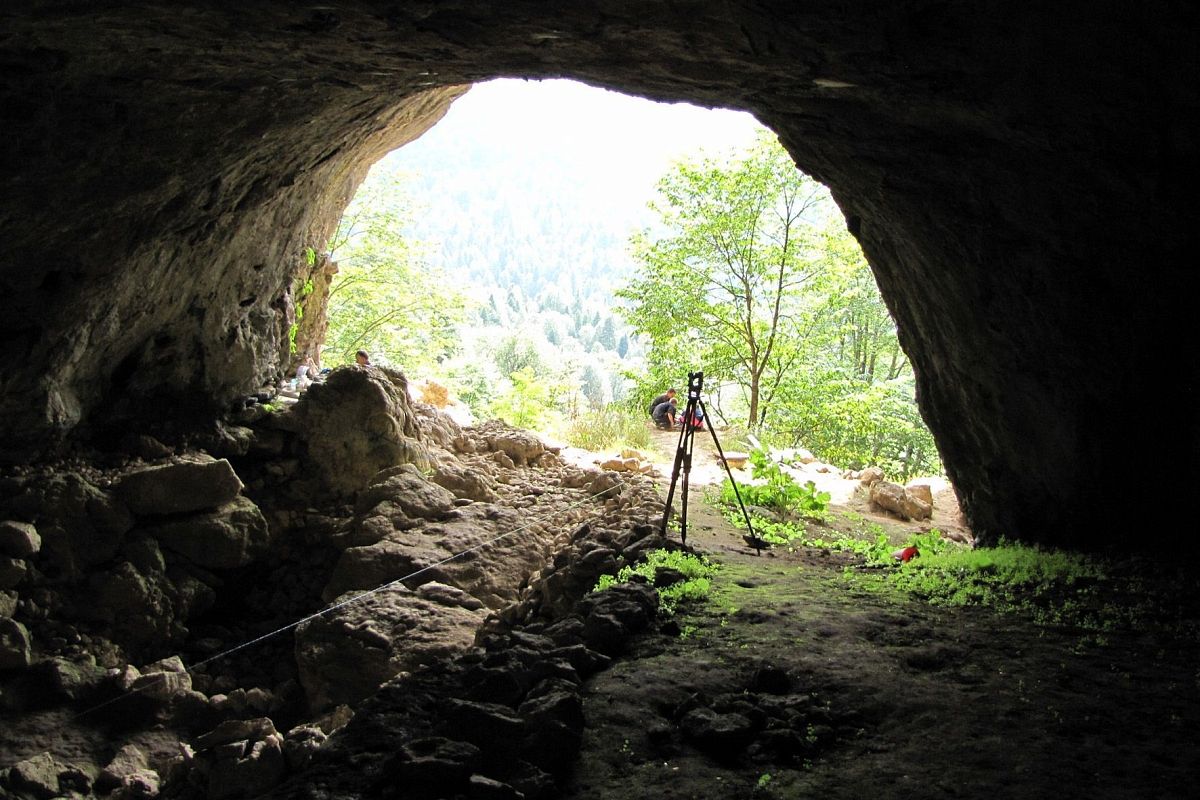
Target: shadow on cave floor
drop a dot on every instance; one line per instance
(852, 694)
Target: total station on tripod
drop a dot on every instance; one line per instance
(683, 463)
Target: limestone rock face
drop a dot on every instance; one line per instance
(465, 483)
(971, 145)
(348, 654)
(356, 423)
(492, 573)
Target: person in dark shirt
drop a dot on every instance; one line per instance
(664, 414)
(662, 398)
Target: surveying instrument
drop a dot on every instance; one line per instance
(683, 463)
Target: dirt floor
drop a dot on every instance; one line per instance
(869, 695)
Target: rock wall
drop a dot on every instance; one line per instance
(1019, 176)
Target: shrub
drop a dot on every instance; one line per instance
(433, 393)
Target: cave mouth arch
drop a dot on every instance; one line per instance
(1006, 171)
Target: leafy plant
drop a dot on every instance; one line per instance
(696, 570)
(780, 492)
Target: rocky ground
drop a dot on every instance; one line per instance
(149, 642)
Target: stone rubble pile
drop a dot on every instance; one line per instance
(111, 567)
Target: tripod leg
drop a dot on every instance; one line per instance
(679, 456)
(689, 443)
(757, 542)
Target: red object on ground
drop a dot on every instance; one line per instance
(906, 554)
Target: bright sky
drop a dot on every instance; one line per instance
(598, 120)
(618, 144)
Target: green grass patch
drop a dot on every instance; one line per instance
(1051, 587)
(607, 428)
(697, 572)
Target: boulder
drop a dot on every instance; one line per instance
(195, 484)
(8, 604)
(12, 572)
(870, 476)
(893, 497)
(300, 744)
(15, 645)
(19, 539)
(493, 573)
(71, 679)
(245, 767)
(129, 760)
(136, 607)
(436, 427)
(227, 537)
(465, 483)
(405, 491)
(163, 680)
(38, 776)
(235, 730)
(522, 447)
(141, 784)
(736, 460)
(356, 423)
(921, 491)
(79, 524)
(345, 655)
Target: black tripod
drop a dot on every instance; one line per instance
(683, 460)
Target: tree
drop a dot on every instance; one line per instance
(758, 282)
(606, 334)
(729, 273)
(592, 386)
(384, 299)
(516, 353)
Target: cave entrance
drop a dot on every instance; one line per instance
(527, 257)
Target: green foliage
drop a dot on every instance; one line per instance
(384, 298)
(758, 283)
(516, 353)
(608, 427)
(697, 572)
(1050, 586)
(526, 402)
(719, 288)
(780, 491)
(305, 291)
